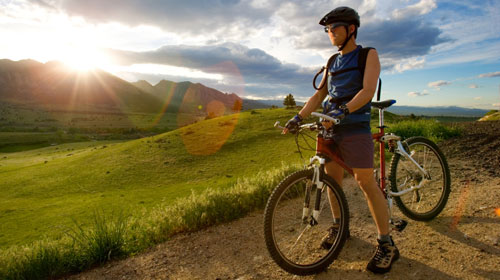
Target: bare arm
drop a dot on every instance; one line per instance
(315, 101)
(372, 72)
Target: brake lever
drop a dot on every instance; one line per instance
(277, 125)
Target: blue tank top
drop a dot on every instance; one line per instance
(347, 85)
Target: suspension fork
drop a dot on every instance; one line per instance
(319, 187)
(317, 182)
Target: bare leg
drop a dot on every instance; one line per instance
(375, 198)
(335, 171)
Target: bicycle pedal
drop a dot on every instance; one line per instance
(399, 225)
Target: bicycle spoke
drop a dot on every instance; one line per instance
(287, 236)
(307, 227)
(429, 199)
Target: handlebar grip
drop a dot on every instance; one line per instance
(326, 117)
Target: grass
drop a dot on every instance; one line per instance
(493, 115)
(44, 189)
(431, 129)
(80, 249)
(90, 119)
(111, 237)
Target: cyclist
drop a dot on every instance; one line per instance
(349, 100)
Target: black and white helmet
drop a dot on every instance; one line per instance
(341, 14)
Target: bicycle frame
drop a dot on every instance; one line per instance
(323, 151)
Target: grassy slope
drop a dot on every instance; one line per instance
(492, 115)
(44, 189)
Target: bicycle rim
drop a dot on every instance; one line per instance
(295, 242)
(428, 201)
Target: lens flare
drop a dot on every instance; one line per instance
(169, 93)
(206, 138)
(462, 201)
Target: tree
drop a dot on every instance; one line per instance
(289, 101)
(238, 104)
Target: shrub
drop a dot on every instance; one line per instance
(104, 241)
(431, 129)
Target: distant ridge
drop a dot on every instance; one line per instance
(54, 86)
(189, 97)
(266, 103)
(451, 111)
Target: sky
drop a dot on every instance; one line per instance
(433, 53)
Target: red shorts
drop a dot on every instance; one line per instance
(355, 149)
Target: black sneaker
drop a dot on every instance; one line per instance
(329, 238)
(383, 258)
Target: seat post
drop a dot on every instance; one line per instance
(381, 118)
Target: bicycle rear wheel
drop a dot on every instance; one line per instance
(427, 202)
(293, 239)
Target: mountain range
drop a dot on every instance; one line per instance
(450, 111)
(53, 85)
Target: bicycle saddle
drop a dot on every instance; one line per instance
(383, 104)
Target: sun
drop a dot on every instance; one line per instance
(84, 59)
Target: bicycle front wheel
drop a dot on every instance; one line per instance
(428, 201)
(294, 235)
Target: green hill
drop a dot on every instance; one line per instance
(44, 189)
(493, 115)
(37, 97)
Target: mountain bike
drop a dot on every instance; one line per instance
(295, 219)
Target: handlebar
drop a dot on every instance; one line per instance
(312, 126)
(326, 117)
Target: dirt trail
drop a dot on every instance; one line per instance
(461, 243)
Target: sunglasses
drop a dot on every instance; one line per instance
(331, 27)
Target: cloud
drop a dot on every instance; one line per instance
(407, 64)
(259, 70)
(490, 75)
(417, 94)
(473, 86)
(478, 98)
(396, 38)
(188, 17)
(399, 39)
(420, 8)
(438, 84)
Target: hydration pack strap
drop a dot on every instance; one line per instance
(363, 54)
(342, 71)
